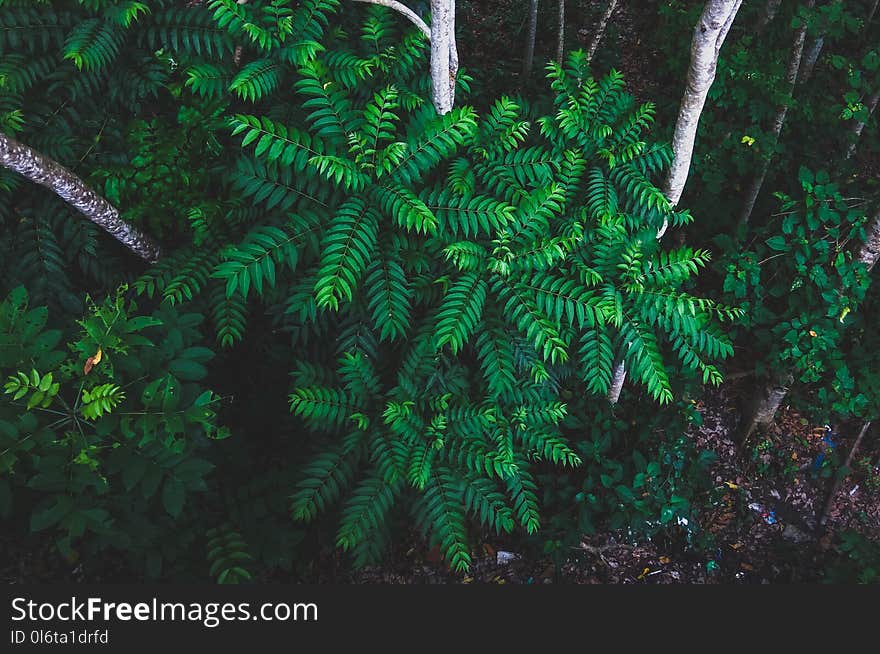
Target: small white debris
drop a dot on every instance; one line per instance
(503, 558)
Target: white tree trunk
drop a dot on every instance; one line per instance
(859, 127)
(764, 407)
(617, 380)
(812, 56)
(70, 188)
(529, 59)
(600, 29)
(444, 50)
(794, 65)
(236, 55)
(709, 36)
(560, 43)
(444, 58)
(869, 253)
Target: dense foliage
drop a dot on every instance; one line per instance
(379, 319)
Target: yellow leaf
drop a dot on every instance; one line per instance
(665, 559)
(813, 333)
(91, 362)
(731, 485)
(644, 573)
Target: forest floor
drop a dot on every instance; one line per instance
(764, 519)
(762, 515)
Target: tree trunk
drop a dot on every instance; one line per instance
(767, 15)
(709, 36)
(560, 43)
(794, 65)
(444, 56)
(859, 126)
(812, 56)
(617, 383)
(600, 29)
(236, 55)
(873, 11)
(70, 188)
(764, 408)
(869, 253)
(529, 59)
(841, 474)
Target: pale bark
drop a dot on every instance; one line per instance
(869, 253)
(709, 36)
(529, 59)
(560, 43)
(444, 57)
(70, 188)
(236, 55)
(794, 65)
(841, 474)
(405, 11)
(768, 14)
(600, 30)
(859, 126)
(812, 56)
(765, 406)
(873, 11)
(617, 380)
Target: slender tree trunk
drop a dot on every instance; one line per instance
(709, 35)
(764, 408)
(812, 56)
(767, 15)
(617, 380)
(444, 50)
(794, 65)
(771, 397)
(529, 59)
(236, 55)
(841, 474)
(560, 43)
(869, 253)
(859, 126)
(70, 188)
(444, 57)
(600, 29)
(873, 11)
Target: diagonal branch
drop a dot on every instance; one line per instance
(403, 9)
(70, 188)
(600, 30)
